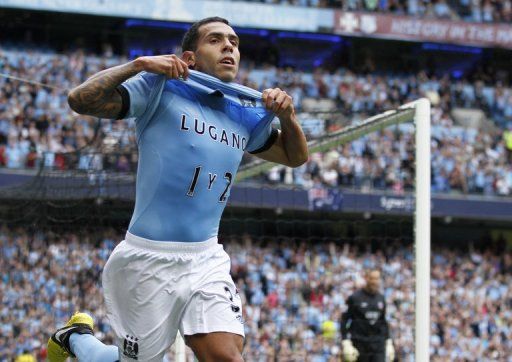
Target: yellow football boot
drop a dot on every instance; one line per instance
(58, 343)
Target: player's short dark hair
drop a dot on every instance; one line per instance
(190, 38)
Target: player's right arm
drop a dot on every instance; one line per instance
(98, 96)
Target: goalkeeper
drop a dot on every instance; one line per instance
(364, 329)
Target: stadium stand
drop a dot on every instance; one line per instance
(36, 125)
(294, 293)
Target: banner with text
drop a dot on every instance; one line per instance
(410, 28)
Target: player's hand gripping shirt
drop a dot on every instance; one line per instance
(191, 136)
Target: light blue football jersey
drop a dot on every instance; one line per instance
(191, 137)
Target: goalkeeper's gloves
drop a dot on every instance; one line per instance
(390, 351)
(350, 353)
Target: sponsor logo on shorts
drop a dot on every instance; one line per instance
(131, 347)
(234, 307)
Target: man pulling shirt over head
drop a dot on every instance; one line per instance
(192, 129)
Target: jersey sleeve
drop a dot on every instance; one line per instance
(136, 94)
(263, 135)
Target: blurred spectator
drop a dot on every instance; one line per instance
(25, 357)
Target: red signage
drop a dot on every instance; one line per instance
(409, 28)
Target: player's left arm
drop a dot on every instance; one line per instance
(290, 148)
(390, 348)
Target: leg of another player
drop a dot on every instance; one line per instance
(87, 348)
(216, 346)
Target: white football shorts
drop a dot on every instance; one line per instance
(154, 288)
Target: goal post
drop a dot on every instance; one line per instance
(422, 228)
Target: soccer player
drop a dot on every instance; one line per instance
(364, 329)
(192, 126)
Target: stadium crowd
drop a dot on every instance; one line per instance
(467, 10)
(294, 293)
(37, 126)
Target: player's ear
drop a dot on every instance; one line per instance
(189, 57)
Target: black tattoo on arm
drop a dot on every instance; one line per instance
(97, 96)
